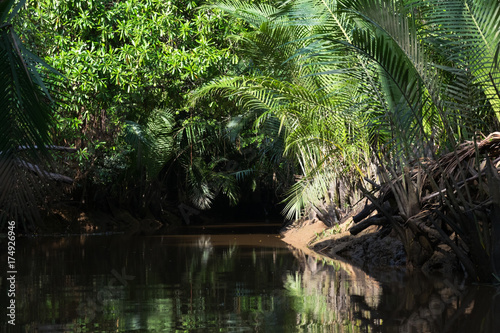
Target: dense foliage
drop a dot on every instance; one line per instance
(172, 102)
(348, 75)
(129, 67)
(366, 90)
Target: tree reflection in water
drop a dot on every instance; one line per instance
(338, 292)
(229, 283)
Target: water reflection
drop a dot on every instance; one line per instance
(394, 302)
(331, 292)
(225, 283)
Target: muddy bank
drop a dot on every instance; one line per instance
(375, 253)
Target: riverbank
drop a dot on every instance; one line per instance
(373, 252)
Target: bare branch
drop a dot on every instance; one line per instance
(42, 173)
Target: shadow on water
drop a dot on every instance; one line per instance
(219, 280)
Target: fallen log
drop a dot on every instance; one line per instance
(42, 173)
(364, 213)
(374, 220)
(39, 171)
(51, 147)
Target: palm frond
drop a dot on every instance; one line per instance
(25, 121)
(152, 141)
(254, 13)
(465, 33)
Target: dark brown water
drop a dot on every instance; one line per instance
(222, 281)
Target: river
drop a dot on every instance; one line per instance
(228, 279)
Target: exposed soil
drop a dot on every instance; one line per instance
(368, 250)
(301, 233)
(363, 250)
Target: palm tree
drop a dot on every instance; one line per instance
(317, 116)
(409, 79)
(439, 85)
(25, 124)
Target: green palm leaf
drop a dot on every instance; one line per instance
(25, 125)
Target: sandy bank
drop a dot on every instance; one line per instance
(367, 250)
(376, 254)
